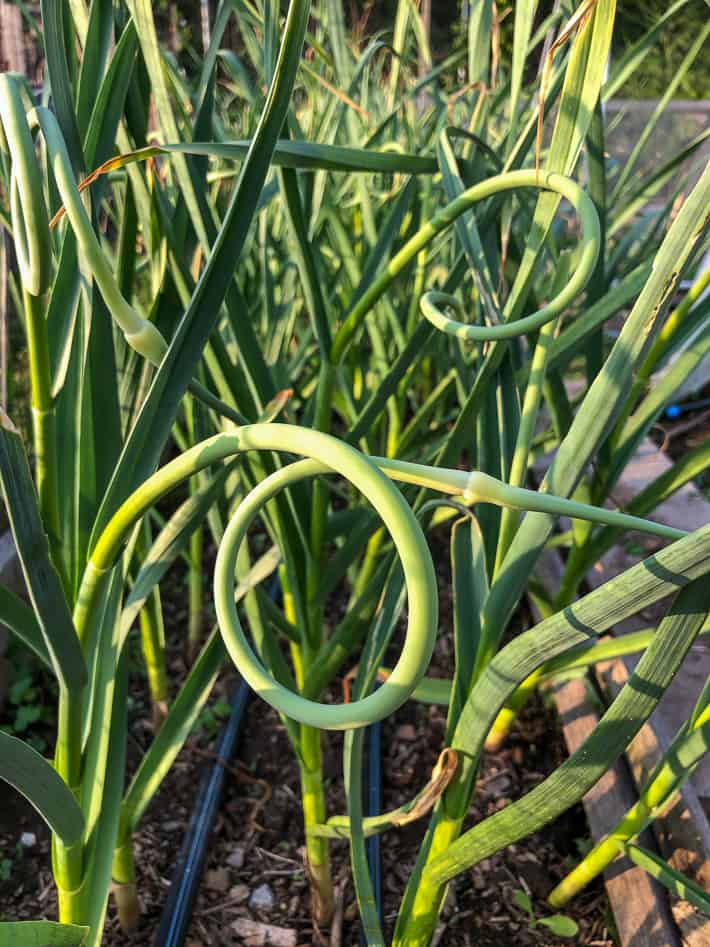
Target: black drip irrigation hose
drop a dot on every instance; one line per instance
(177, 911)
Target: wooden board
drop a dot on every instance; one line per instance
(683, 834)
(641, 910)
(640, 906)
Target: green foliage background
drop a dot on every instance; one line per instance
(633, 18)
(660, 65)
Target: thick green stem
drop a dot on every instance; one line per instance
(194, 630)
(368, 567)
(419, 912)
(528, 418)
(153, 642)
(67, 870)
(123, 874)
(308, 753)
(43, 424)
(428, 899)
(314, 812)
(509, 714)
(153, 647)
(309, 757)
(319, 510)
(68, 860)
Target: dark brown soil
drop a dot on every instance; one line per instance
(687, 431)
(258, 837)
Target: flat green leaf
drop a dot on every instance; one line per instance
(42, 934)
(573, 336)
(470, 588)
(147, 439)
(54, 14)
(364, 892)
(176, 727)
(524, 18)
(480, 21)
(299, 155)
(20, 619)
(677, 883)
(96, 49)
(560, 924)
(142, 13)
(617, 727)
(523, 901)
(108, 105)
(39, 782)
(606, 396)
(41, 578)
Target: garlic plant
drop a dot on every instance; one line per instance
(376, 275)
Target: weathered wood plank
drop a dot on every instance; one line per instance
(641, 910)
(12, 42)
(683, 831)
(640, 906)
(683, 834)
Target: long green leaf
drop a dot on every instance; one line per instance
(20, 619)
(38, 781)
(176, 727)
(142, 450)
(677, 883)
(42, 934)
(42, 580)
(605, 398)
(587, 765)
(55, 20)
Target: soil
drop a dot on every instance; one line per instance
(690, 429)
(258, 837)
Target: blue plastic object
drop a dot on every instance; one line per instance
(675, 410)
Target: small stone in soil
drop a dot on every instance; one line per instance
(407, 733)
(254, 934)
(238, 893)
(498, 785)
(28, 840)
(217, 880)
(236, 859)
(262, 899)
